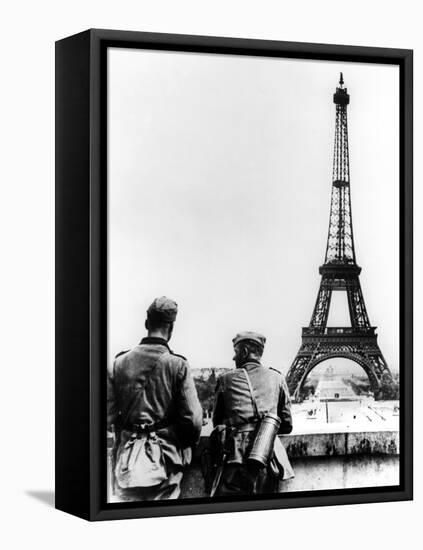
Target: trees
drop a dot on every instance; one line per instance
(389, 388)
(205, 389)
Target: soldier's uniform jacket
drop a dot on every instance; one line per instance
(151, 385)
(234, 408)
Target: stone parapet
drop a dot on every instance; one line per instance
(325, 461)
(342, 444)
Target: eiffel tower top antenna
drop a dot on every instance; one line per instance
(340, 242)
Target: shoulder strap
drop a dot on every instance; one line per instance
(253, 399)
(121, 353)
(178, 355)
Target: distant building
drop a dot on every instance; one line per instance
(329, 373)
(335, 390)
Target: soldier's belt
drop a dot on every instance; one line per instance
(247, 427)
(140, 429)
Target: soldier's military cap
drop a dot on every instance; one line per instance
(252, 336)
(163, 309)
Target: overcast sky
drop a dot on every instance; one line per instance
(219, 193)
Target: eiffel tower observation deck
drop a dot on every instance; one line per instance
(339, 272)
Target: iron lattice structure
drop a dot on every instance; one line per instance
(339, 272)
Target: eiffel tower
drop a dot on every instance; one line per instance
(339, 272)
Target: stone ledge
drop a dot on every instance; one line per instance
(325, 461)
(342, 444)
(299, 445)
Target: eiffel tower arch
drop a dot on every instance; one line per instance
(339, 273)
(336, 342)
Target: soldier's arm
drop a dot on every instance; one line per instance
(112, 407)
(218, 404)
(284, 409)
(189, 414)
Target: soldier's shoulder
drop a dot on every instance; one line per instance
(122, 353)
(119, 361)
(175, 362)
(277, 374)
(174, 359)
(276, 370)
(178, 355)
(229, 374)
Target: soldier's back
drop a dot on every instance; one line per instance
(153, 370)
(237, 407)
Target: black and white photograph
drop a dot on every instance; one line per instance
(211, 332)
(253, 276)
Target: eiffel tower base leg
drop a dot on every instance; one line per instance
(363, 351)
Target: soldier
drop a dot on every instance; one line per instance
(240, 398)
(155, 412)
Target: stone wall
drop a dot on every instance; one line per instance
(325, 461)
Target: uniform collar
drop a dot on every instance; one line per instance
(155, 340)
(251, 364)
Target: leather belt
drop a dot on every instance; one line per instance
(145, 428)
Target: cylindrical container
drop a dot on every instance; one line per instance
(264, 440)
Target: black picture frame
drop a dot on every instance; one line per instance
(81, 274)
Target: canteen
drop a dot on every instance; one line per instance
(264, 440)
